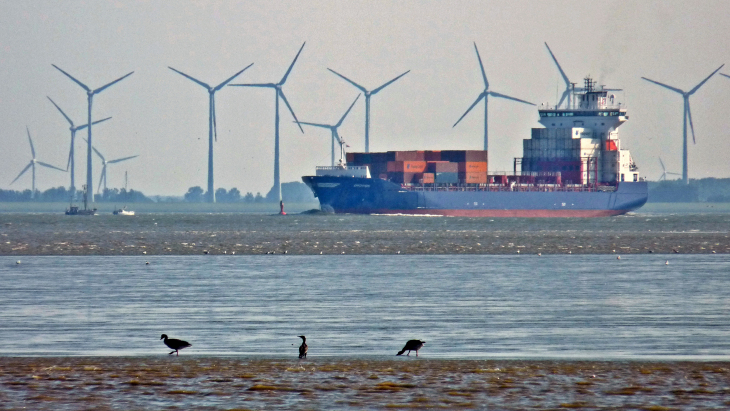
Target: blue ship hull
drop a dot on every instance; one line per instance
(377, 196)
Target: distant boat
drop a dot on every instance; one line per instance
(123, 211)
(74, 210)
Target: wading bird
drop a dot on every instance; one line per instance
(175, 344)
(303, 347)
(412, 345)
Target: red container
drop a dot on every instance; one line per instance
(498, 179)
(433, 155)
(405, 178)
(473, 167)
(406, 156)
(350, 157)
(473, 178)
(428, 178)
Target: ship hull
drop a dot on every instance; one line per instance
(377, 196)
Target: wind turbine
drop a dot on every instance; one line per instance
(368, 94)
(71, 157)
(566, 93)
(105, 163)
(686, 115)
(333, 127)
(32, 164)
(723, 74)
(664, 172)
(90, 97)
(279, 94)
(485, 95)
(212, 129)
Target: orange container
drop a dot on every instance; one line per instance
(473, 167)
(428, 178)
(473, 178)
(406, 166)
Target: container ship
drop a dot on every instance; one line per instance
(573, 166)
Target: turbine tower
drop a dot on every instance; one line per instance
(32, 164)
(105, 163)
(665, 173)
(212, 129)
(686, 115)
(368, 94)
(279, 94)
(71, 156)
(333, 128)
(485, 95)
(90, 97)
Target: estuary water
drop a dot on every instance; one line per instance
(595, 307)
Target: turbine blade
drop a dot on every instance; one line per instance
(388, 83)
(220, 86)
(50, 166)
(119, 160)
(564, 96)
(283, 97)
(95, 150)
(68, 163)
(723, 74)
(314, 124)
(100, 89)
(267, 85)
(664, 85)
(481, 66)
(500, 95)
(662, 163)
(32, 149)
(101, 178)
(361, 88)
(190, 77)
(481, 96)
(71, 77)
(705, 80)
(21, 173)
(215, 125)
(92, 123)
(691, 126)
(339, 123)
(62, 113)
(291, 66)
(560, 69)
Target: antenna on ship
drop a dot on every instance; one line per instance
(685, 116)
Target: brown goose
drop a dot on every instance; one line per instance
(175, 344)
(303, 347)
(412, 345)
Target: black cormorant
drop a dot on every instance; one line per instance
(412, 345)
(303, 347)
(176, 345)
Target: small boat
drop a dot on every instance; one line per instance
(123, 211)
(74, 210)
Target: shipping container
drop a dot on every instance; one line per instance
(433, 155)
(473, 167)
(473, 178)
(406, 166)
(350, 157)
(446, 178)
(428, 178)
(442, 167)
(405, 178)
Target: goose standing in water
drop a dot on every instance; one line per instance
(412, 345)
(303, 347)
(175, 344)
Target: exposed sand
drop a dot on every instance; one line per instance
(187, 382)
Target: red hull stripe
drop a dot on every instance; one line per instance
(498, 213)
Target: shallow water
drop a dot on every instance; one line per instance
(464, 306)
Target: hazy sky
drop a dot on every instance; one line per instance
(164, 117)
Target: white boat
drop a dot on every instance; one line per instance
(123, 211)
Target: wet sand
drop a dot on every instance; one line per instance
(189, 234)
(189, 382)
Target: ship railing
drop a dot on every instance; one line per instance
(503, 188)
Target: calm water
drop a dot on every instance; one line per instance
(464, 306)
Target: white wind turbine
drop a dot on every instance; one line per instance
(212, 127)
(665, 173)
(104, 163)
(71, 156)
(687, 114)
(485, 95)
(279, 94)
(333, 127)
(32, 164)
(90, 97)
(368, 94)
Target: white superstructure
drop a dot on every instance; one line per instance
(580, 140)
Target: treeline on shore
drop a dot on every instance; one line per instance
(294, 191)
(705, 190)
(62, 194)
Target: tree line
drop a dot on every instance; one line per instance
(62, 194)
